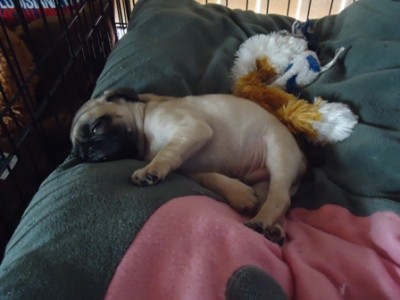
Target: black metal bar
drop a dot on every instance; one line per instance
(309, 9)
(330, 7)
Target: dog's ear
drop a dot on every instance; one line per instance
(126, 93)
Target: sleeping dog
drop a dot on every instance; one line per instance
(227, 144)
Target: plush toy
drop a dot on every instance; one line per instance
(270, 69)
(16, 65)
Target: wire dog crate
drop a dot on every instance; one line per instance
(297, 9)
(51, 53)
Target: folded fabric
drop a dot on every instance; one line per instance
(192, 245)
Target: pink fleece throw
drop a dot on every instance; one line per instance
(190, 247)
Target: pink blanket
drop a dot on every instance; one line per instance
(191, 246)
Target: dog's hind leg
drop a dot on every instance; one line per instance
(285, 164)
(239, 195)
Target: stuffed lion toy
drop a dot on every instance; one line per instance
(269, 69)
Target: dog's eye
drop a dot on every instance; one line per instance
(101, 125)
(95, 129)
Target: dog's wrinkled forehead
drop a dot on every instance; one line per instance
(89, 112)
(105, 105)
(127, 94)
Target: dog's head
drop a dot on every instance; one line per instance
(104, 128)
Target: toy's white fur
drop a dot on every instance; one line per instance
(280, 49)
(337, 122)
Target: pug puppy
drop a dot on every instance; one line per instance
(228, 144)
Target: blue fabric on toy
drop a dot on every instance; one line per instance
(313, 63)
(304, 30)
(291, 86)
(302, 71)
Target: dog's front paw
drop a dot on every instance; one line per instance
(274, 233)
(153, 173)
(144, 177)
